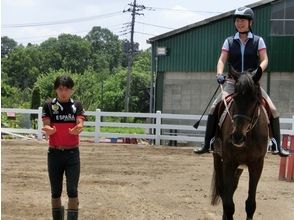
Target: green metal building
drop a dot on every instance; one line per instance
(184, 60)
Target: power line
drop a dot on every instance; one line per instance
(66, 21)
(138, 32)
(83, 19)
(183, 10)
(154, 25)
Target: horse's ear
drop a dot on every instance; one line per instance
(233, 73)
(256, 74)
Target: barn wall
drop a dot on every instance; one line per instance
(189, 93)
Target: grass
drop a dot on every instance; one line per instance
(117, 130)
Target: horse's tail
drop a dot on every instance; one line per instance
(217, 180)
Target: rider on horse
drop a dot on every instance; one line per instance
(243, 51)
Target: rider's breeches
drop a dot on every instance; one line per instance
(229, 89)
(64, 162)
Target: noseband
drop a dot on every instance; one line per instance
(252, 120)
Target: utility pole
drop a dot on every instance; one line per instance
(134, 10)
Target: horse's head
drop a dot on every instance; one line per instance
(247, 98)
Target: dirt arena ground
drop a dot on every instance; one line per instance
(133, 182)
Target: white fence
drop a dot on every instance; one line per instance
(157, 126)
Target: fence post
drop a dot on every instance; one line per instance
(283, 160)
(290, 167)
(40, 123)
(97, 125)
(158, 127)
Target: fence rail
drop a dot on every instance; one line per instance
(157, 126)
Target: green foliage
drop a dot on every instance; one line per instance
(22, 66)
(7, 45)
(51, 53)
(75, 53)
(95, 63)
(13, 97)
(121, 130)
(36, 101)
(45, 84)
(142, 62)
(36, 98)
(88, 89)
(106, 46)
(114, 91)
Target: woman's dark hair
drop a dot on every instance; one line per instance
(65, 81)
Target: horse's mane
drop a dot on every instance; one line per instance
(246, 88)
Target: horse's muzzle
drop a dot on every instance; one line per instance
(238, 139)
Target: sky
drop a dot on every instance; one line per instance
(34, 21)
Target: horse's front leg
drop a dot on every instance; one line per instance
(228, 191)
(255, 170)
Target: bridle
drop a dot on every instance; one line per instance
(252, 120)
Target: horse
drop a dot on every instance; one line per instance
(242, 140)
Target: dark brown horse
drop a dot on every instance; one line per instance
(242, 140)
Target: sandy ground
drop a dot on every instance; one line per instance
(134, 182)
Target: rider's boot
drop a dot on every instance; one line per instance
(276, 140)
(209, 134)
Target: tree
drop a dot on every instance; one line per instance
(22, 66)
(51, 53)
(114, 91)
(35, 103)
(87, 87)
(45, 83)
(126, 48)
(13, 97)
(142, 61)
(7, 45)
(115, 87)
(75, 53)
(105, 44)
(36, 98)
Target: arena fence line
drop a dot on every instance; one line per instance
(161, 128)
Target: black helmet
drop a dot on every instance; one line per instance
(244, 12)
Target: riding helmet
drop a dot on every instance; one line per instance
(244, 12)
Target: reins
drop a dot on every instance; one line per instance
(253, 120)
(226, 105)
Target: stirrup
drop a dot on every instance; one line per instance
(279, 149)
(274, 143)
(203, 149)
(211, 143)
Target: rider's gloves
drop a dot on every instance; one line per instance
(220, 78)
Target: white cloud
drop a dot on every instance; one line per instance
(181, 16)
(18, 3)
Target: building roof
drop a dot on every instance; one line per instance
(205, 21)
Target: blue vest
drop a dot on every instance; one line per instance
(251, 58)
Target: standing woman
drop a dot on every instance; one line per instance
(63, 120)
